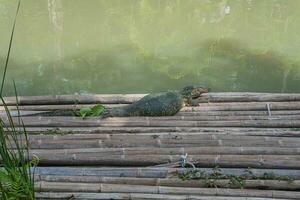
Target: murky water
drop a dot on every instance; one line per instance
(138, 46)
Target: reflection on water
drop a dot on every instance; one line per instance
(138, 46)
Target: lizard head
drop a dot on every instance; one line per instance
(193, 91)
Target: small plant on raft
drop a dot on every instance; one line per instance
(16, 168)
(93, 111)
(295, 129)
(234, 181)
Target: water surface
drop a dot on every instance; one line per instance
(141, 46)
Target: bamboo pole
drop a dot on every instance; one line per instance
(129, 98)
(162, 142)
(172, 182)
(162, 136)
(208, 107)
(248, 96)
(25, 113)
(41, 108)
(243, 161)
(128, 122)
(137, 196)
(120, 188)
(74, 99)
(153, 172)
(241, 106)
(237, 113)
(42, 153)
(242, 131)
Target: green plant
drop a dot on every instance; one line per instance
(210, 179)
(16, 169)
(295, 129)
(94, 111)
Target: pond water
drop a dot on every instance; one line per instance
(141, 46)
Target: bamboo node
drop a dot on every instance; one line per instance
(100, 187)
(241, 150)
(139, 172)
(261, 160)
(217, 158)
(158, 189)
(158, 142)
(100, 143)
(74, 156)
(157, 181)
(181, 150)
(220, 142)
(123, 157)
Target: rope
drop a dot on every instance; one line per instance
(184, 161)
(269, 109)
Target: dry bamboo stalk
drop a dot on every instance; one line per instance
(129, 98)
(162, 136)
(160, 141)
(55, 107)
(119, 188)
(123, 172)
(274, 132)
(248, 96)
(211, 107)
(154, 172)
(128, 122)
(172, 182)
(27, 110)
(241, 106)
(137, 196)
(171, 151)
(72, 99)
(177, 136)
(243, 161)
(238, 113)
(206, 118)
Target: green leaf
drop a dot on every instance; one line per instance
(85, 112)
(97, 110)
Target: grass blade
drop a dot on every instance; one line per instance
(9, 47)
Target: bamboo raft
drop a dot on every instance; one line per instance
(139, 157)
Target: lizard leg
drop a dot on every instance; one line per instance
(193, 102)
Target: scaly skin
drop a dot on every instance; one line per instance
(157, 104)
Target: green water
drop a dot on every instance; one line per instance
(138, 46)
